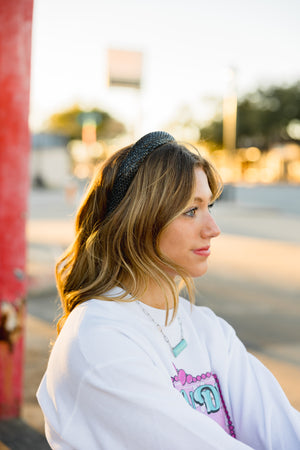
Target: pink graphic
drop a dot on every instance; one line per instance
(204, 394)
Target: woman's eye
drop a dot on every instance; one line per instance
(210, 206)
(191, 212)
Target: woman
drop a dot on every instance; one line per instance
(135, 366)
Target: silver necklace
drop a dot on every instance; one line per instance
(182, 343)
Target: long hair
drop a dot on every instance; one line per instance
(122, 248)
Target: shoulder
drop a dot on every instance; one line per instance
(205, 319)
(197, 312)
(99, 331)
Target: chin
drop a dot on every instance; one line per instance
(199, 272)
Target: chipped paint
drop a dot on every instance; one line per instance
(11, 317)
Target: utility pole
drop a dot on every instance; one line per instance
(15, 53)
(230, 112)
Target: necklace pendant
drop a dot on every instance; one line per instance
(179, 347)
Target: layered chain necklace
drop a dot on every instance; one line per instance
(182, 343)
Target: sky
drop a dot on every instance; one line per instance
(188, 47)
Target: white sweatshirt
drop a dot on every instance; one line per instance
(113, 383)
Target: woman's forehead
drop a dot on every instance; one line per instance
(202, 191)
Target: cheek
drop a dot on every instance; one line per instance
(172, 241)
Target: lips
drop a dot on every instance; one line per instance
(203, 251)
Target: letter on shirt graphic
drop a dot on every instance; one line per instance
(190, 398)
(208, 395)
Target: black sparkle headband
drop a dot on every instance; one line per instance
(130, 165)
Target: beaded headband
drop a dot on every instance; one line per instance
(130, 165)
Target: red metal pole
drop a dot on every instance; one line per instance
(15, 51)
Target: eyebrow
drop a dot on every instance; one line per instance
(200, 200)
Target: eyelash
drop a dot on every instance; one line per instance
(191, 212)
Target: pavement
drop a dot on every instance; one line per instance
(48, 237)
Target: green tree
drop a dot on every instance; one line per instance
(213, 132)
(69, 123)
(262, 117)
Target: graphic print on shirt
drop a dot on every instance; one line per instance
(203, 393)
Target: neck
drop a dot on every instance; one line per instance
(156, 297)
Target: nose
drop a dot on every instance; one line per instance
(210, 229)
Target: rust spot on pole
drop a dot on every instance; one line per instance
(11, 315)
(19, 274)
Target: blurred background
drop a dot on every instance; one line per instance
(224, 76)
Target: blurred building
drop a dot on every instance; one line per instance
(50, 164)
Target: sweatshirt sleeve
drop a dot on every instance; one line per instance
(123, 400)
(262, 414)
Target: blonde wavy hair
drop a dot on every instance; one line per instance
(122, 248)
